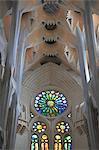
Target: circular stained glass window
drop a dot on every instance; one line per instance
(39, 127)
(62, 127)
(50, 103)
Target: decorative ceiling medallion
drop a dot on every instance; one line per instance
(51, 7)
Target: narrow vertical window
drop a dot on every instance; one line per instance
(44, 142)
(34, 142)
(67, 142)
(58, 142)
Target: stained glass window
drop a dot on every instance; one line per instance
(39, 126)
(58, 142)
(62, 127)
(31, 115)
(69, 115)
(67, 142)
(34, 142)
(50, 103)
(44, 142)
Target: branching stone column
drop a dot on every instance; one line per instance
(90, 40)
(11, 124)
(82, 62)
(10, 63)
(18, 77)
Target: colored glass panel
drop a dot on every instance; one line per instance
(62, 127)
(69, 115)
(31, 115)
(39, 127)
(34, 142)
(67, 142)
(50, 103)
(44, 142)
(58, 142)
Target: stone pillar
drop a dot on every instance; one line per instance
(20, 63)
(18, 77)
(90, 40)
(11, 125)
(16, 96)
(14, 114)
(82, 62)
(10, 63)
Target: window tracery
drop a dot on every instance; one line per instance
(49, 104)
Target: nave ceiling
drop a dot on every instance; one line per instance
(49, 34)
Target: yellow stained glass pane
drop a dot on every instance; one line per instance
(55, 146)
(36, 146)
(60, 146)
(39, 127)
(58, 130)
(46, 146)
(50, 103)
(44, 137)
(42, 146)
(57, 137)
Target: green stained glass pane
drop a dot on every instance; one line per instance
(67, 142)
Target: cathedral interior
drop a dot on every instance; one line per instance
(49, 75)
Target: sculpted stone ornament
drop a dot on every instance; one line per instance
(75, 19)
(72, 57)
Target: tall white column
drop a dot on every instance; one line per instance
(11, 60)
(87, 99)
(10, 63)
(90, 40)
(18, 77)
